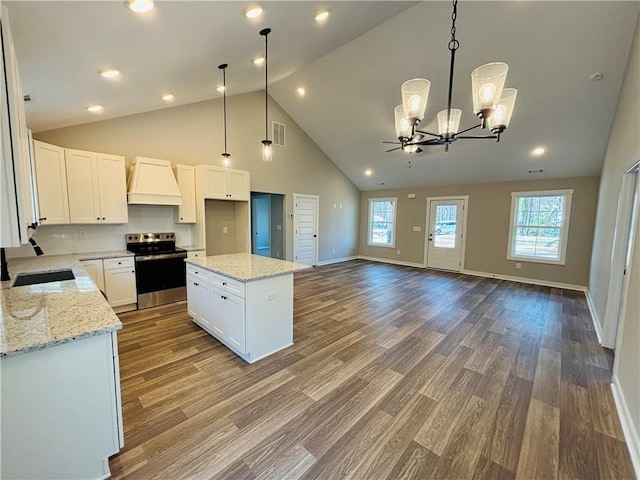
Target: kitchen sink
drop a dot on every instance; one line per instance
(43, 277)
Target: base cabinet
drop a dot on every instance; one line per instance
(61, 410)
(116, 279)
(254, 319)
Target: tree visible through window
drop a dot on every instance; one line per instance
(382, 221)
(539, 225)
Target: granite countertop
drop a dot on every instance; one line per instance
(33, 317)
(246, 267)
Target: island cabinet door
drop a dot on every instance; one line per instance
(218, 313)
(236, 325)
(198, 301)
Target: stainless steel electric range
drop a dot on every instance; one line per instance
(160, 268)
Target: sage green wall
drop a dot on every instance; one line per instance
(623, 150)
(488, 227)
(192, 134)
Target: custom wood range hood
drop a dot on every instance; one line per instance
(151, 182)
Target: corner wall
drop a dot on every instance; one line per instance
(623, 150)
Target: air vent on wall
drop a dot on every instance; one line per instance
(278, 131)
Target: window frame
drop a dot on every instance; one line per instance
(564, 228)
(395, 221)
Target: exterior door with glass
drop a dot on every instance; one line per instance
(445, 234)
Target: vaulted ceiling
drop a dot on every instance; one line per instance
(352, 67)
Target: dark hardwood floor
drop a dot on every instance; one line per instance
(396, 372)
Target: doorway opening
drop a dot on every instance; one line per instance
(621, 255)
(445, 233)
(267, 224)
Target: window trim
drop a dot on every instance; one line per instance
(564, 230)
(395, 221)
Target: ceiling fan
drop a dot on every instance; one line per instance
(406, 145)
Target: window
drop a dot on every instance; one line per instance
(382, 222)
(539, 226)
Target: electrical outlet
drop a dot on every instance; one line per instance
(333, 250)
(225, 230)
(518, 265)
(398, 251)
(81, 234)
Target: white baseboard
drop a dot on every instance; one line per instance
(393, 262)
(594, 316)
(336, 260)
(630, 432)
(531, 281)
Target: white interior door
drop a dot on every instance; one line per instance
(305, 229)
(445, 233)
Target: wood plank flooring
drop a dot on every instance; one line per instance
(395, 373)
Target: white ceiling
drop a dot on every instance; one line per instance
(352, 67)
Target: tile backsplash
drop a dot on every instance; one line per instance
(64, 239)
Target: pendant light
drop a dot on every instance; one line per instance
(224, 156)
(266, 143)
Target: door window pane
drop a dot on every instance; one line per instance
(444, 230)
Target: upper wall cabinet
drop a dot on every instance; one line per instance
(186, 177)
(96, 184)
(17, 202)
(51, 180)
(224, 183)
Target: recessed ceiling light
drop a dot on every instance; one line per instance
(538, 151)
(168, 97)
(253, 12)
(220, 88)
(94, 108)
(368, 172)
(258, 61)
(322, 16)
(109, 73)
(301, 91)
(139, 6)
(596, 76)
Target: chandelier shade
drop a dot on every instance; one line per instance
(415, 93)
(448, 128)
(503, 112)
(403, 127)
(487, 82)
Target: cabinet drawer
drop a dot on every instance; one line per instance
(199, 273)
(227, 284)
(121, 262)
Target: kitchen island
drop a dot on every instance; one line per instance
(245, 301)
(60, 382)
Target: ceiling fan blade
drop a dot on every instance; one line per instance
(395, 143)
(397, 148)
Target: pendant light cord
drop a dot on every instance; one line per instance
(453, 46)
(266, 85)
(224, 106)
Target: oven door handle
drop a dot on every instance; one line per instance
(146, 258)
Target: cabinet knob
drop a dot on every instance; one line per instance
(104, 218)
(133, 271)
(43, 218)
(97, 218)
(224, 283)
(119, 263)
(181, 218)
(195, 284)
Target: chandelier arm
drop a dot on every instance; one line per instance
(467, 129)
(428, 133)
(480, 137)
(432, 141)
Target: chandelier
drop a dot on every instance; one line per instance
(492, 104)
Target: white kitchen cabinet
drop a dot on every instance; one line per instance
(51, 181)
(17, 202)
(199, 301)
(120, 283)
(96, 184)
(253, 318)
(186, 177)
(224, 183)
(96, 272)
(61, 410)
